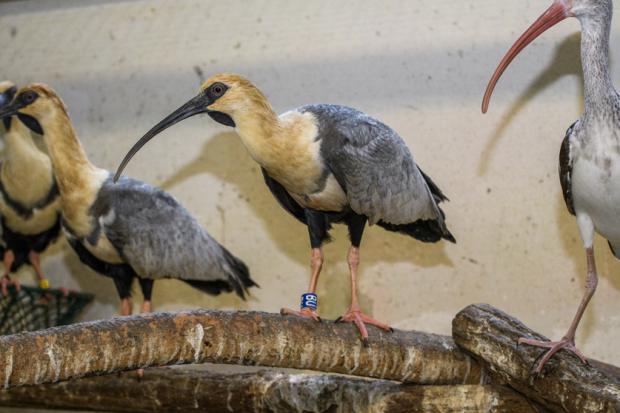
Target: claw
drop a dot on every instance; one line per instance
(5, 282)
(304, 313)
(553, 347)
(355, 315)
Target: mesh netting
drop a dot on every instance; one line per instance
(35, 308)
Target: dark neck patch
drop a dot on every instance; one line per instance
(31, 123)
(7, 123)
(28, 212)
(222, 118)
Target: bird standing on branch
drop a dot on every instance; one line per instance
(589, 155)
(29, 201)
(130, 229)
(324, 164)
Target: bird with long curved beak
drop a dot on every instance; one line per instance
(29, 201)
(128, 230)
(324, 164)
(589, 155)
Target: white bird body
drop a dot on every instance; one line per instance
(595, 182)
(590, 153)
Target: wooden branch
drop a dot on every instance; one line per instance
(192, 390)
(566, 386)
(248, 338)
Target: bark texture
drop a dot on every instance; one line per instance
(190, 390)
(566, 385)
(248, 338)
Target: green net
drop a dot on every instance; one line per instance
(35, 308)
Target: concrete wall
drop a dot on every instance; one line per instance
(420, 66)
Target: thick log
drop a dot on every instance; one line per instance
(248, 338)
(566, 385)
(184, 390)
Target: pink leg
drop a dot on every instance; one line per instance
(8, 260)
(35, 261)
(354, 314)
(146, 307)
(316, 263)
(568, 341)
(126, 306)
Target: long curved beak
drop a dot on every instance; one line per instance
(9, 110)
(7, 96)
(552, 16)
(193, 107)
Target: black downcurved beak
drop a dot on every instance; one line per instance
(5, 99)
(10, 109)
(193, 107)
(7, 96)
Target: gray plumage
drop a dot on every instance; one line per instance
(158, 237)
(373, 165)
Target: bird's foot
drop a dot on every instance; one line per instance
(565, 343)
(44, 284)
(65, 291)
(304, 312)
(355, 315)
(5, 282)
(146, 307)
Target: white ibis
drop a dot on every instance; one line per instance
(29, 201)
(324, 164)
(128, 230)
(590, 154)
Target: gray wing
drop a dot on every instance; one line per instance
(158, 237)
(374, 167)
(566, 170)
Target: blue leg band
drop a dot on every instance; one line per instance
(309, 300)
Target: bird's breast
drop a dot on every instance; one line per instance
(330, 197)
(595, 184)
(103, 250)
(41, 220)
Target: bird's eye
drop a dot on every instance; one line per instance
(29, 97)
(218, 89)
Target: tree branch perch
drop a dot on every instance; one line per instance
(249, 338)
(566, 385)
(198, 390)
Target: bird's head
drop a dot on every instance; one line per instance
(226, 98)
(34, 105)
(7, 93)
(584, 10)
(593, 9)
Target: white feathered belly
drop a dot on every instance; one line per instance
(596, 192)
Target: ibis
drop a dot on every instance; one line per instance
(590, 152)
(325, 164)
(29, 198)
(126, 230)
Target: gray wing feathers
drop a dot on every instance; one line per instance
(157, 236)
(374, 166)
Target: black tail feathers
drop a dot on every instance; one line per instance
(238, 278)
(425, 230)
